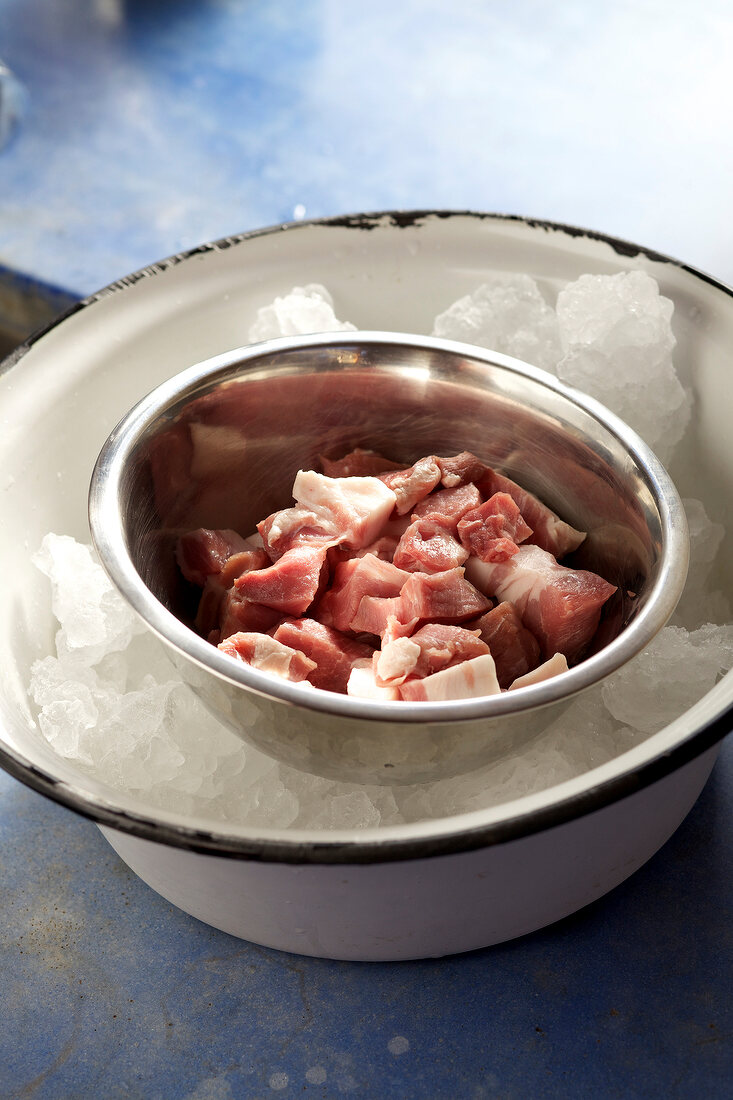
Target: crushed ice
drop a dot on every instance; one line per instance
(111, 701)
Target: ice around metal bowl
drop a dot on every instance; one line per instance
(219, 446)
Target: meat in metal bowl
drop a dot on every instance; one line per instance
(219, 445)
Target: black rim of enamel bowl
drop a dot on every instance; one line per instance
(446, 836)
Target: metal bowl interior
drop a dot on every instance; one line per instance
(219, 447)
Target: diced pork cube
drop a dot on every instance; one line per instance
(514, 648)
(356, 508)
(236, 613)
(434, 647)
(429, 546)
(358, 463)
(548, 531)
(266, 653)
(354, 579)
(451, 504)
(218, 584)
(290, 584)
(447, 597)
(203, 552)
(467, 680)
(553, 667)
(440, 596)
(413, 484)
(333, 653)
(295, 526)
(363, 685)
(461, 469)
(493, 531)
(560, 606)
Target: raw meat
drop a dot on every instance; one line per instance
(429, 546)
(514, 648)
(560, 606)
(332, 653)
(266, 653)
(380, 581)
(468, 680)
(548, 531)
(493, 531)
(290, 584)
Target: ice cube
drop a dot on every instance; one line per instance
(671, 674)
(304, 309)
(617, 344)
(507, 313)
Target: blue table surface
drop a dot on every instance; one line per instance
(148, 127)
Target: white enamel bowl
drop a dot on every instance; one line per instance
(425, 889)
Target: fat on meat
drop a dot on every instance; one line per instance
(514, 648)
(467, 680)
(429, 546)
(332, 652)
(266, 653)
(552, 667)
(363, 685)
(548, 531)
(433, 647)
(290, 584)
(560, 606)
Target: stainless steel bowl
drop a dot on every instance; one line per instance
(219, 445)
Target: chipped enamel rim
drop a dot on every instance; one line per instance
(662, 754)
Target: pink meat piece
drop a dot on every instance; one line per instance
(461, 469)
(428, 545)
(358, 463)
(433, 647)
(354, 579)
(363, 685)
(329, 511)
(440, 596)
(468, 680)
(295, 526)
(494, 530)
(548, 531)
(236, 613)
(413, 484)
(290, 584)
(218, 584)
(266, 653)
(333, 653)
(553, 667)
(515, 650)
(451, 504)
(203, 552)
(560, 606)
(424, 597)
